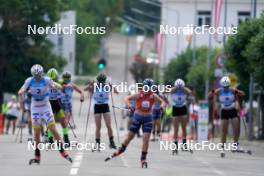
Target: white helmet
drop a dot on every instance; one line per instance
(225, 81)
(36, 70)
(179, 83)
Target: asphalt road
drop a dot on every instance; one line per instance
(14, 156)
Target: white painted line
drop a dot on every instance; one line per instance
(74, 171)
(124, 161)
(214, 169)
(76, 164)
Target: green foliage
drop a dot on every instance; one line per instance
(178, 67)
(19, 51)
(196, 74)
(92, 13)
(245, 52)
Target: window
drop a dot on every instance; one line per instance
(243, 16)
(204, 18)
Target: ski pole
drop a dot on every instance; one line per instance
(112, 99)
(80, 110)
(121, 108)
(74, 134)
(88, 116)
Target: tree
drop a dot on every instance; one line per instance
(179, 66)
(245, 52)
(194, 74)
(92, 13)
(19, 50)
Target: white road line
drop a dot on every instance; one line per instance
(214, 169)
(124, 161)
(76, 163)
(74, 171)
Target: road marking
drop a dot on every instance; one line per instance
(214, 169)
(124, 161)
(76, 163)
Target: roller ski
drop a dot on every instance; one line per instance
(116, 153)
(66, 156)
(35, 160)
(241, 150)
(175, 151)
(185, 147)
(112, 145)
(144, 164)
(222, 154)
(67, 142)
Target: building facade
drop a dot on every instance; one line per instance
(181, 13)
(64, 44)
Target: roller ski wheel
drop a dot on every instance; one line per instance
(96, 149)
(112, 145)
(243, 151)
(68, 158)
(144, 164)
(34, 161)
(175, 152)
(191, 151)
(222, 154)
(108, 158)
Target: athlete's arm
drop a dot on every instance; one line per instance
(239, 92)
(115, 90)
(158, 99)
(169, 91)
(76, 88)
(213, 92)
(187, 90)
(22, 92)
(129, 98)
(89, 87)
(56, 85)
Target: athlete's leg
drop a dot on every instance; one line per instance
(175, 123)
(14, 125)
(124, 144)
(64, 126)
(7, 126)
(224, 130)
(145, 145)
(129, 122)
(158, 126)
(29, 123)
(97, 119)
(37, 133)
(154, 127)
(236, 128)
(107, 120)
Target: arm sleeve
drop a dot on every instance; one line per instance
(26, 84)
(49, 82)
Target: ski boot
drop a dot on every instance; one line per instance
(34, 160)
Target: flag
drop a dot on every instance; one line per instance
(218, 6)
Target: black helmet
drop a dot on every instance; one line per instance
(101, 78)
(66, 76)
(148, 82)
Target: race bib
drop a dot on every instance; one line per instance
(145, 104)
